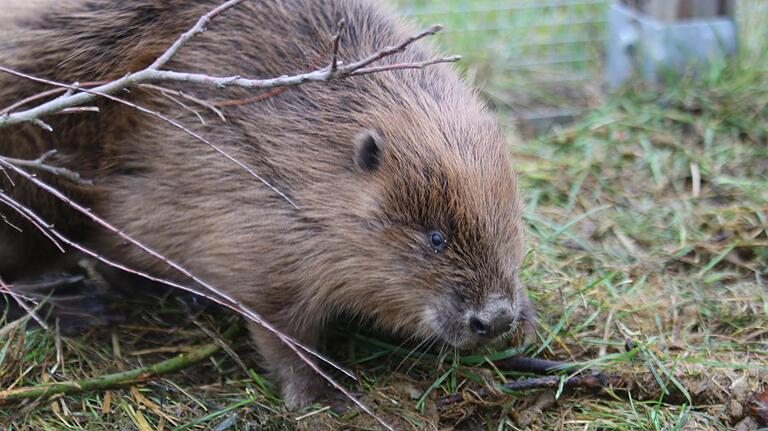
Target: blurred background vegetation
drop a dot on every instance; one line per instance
(542, 61)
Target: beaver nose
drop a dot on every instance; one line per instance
(486, 326)
(479, 327)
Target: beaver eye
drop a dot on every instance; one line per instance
(436, 240)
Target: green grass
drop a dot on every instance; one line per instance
(646, 221)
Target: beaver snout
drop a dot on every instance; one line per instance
(495, 318)
(491, 326)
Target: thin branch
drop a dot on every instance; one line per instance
(590, 382)
(336, 38)
(390, 50)
(30, 99)
(40, 165)
(139, 375)
(9, 224)
(221, 341)
(44, 94)
(525, 364)
(42, 124)
(19, 208)
(189, 97)
(184, 106)
(248, 100)
(22, 303)
(404, 66)
(79, 109)
(198, 28)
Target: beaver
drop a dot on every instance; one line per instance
(397, 202)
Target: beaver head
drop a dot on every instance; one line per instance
(438, 240)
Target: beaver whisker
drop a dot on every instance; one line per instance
(424, 352)
(414, 350)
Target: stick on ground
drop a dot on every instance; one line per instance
(139, 375)
(590, 382)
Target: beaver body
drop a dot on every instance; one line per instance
(404, 204)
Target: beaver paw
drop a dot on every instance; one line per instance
(297, 395)
(71, 295)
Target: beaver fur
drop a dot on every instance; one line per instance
(407, 207)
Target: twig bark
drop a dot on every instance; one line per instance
(44, 94)
(198, 28)
(525, 364)
(336, 38)
(21, 210)
(40, 165)
(253, 99)
(124, 378)
(592, 382)
(6, 289)
(197, 101)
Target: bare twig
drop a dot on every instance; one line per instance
(590, 382)
(390, 50)
(201, 102)
(198, 28)
(404, 66)
(30, 99)
(108, 381)
(42, 124)
(44, 94)
(248, 100)
(184, 106)
(221, 341)
(525, 364)
(40, 165)
(336, 38)
(9, 224)
(79, 109)
(18, 208)
(4, 288)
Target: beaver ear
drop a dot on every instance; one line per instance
(368, 150)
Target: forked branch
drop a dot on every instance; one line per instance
(153, 74)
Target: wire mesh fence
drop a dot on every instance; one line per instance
(550, 41)
(542, 59)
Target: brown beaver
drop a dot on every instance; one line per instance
(407, 209)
